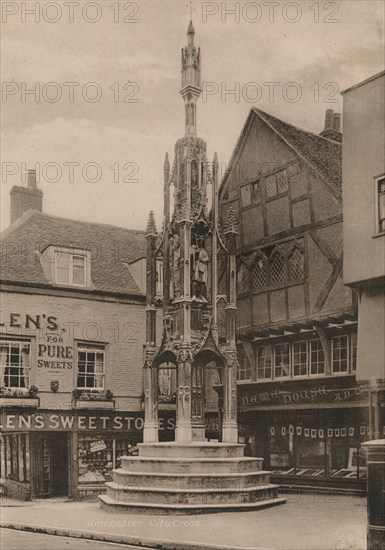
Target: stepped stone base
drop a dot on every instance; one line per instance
(189, 479)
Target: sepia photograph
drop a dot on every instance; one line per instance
(192, 275)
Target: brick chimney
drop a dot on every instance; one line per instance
(332, 128)
(26, 198)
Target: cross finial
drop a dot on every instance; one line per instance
(190, 6)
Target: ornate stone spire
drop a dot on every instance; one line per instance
(151, 227)
(191, 80)
(166, 164)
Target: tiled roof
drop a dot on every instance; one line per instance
(112, 248)
(323, 154)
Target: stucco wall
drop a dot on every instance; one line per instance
(363, 160)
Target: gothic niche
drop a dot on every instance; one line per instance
(199, 269)
(167, 382)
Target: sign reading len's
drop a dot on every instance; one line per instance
(44, 421)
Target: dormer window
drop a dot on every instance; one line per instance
(70, 266)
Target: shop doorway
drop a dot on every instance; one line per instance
(58, 443)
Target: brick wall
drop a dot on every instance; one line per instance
(119, 327)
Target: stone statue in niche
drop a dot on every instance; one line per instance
(176, 265)
(199, 264)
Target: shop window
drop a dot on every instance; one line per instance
(15, 457)
(14, 364)
(98, 456)
(381, 204)
(281, 360)
(340, 354)
(300, 359)
(317, 358)
(277, 268)
(353, 352)
(71, 267)
(243, 278)
(91, 367)
(259, 273)
(296, 265)
(244, 367)
(264, 363)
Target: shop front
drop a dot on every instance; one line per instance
(310, 433)
(66, 454)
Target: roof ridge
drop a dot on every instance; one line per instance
(300, 128)
(18, 222)
(32, 213)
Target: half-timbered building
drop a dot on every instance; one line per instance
(299, 403)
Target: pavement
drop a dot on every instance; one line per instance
(305, 522)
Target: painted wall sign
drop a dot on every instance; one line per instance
(48, 421)
(335, 392)
(53, 355)
(49, 322)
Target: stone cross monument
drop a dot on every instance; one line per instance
(188, 248)
(190, 474)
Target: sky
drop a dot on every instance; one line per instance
(106, 77)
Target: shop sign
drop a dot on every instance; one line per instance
(97, 446)
(53, 355)
(318, 394)
(46, 421)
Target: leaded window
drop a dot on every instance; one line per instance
(259, 273)
(296, 264)
(282, 182)
(271, 186)
(277, 268)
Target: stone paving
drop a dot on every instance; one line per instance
(306, 522)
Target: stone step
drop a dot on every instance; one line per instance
(199, 449)
(190, 481)
(186, 465)
(111, 505)
(160, 495)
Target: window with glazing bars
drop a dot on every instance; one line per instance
(90, 368)
(14, 364)
(317, 358)
(300, 359)
(264, 363)
(340, 354)
(277, 268)
(381, 204)
(281, 360)
(296, 265)
(282, 182)
(244, 368)
(259, 273)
